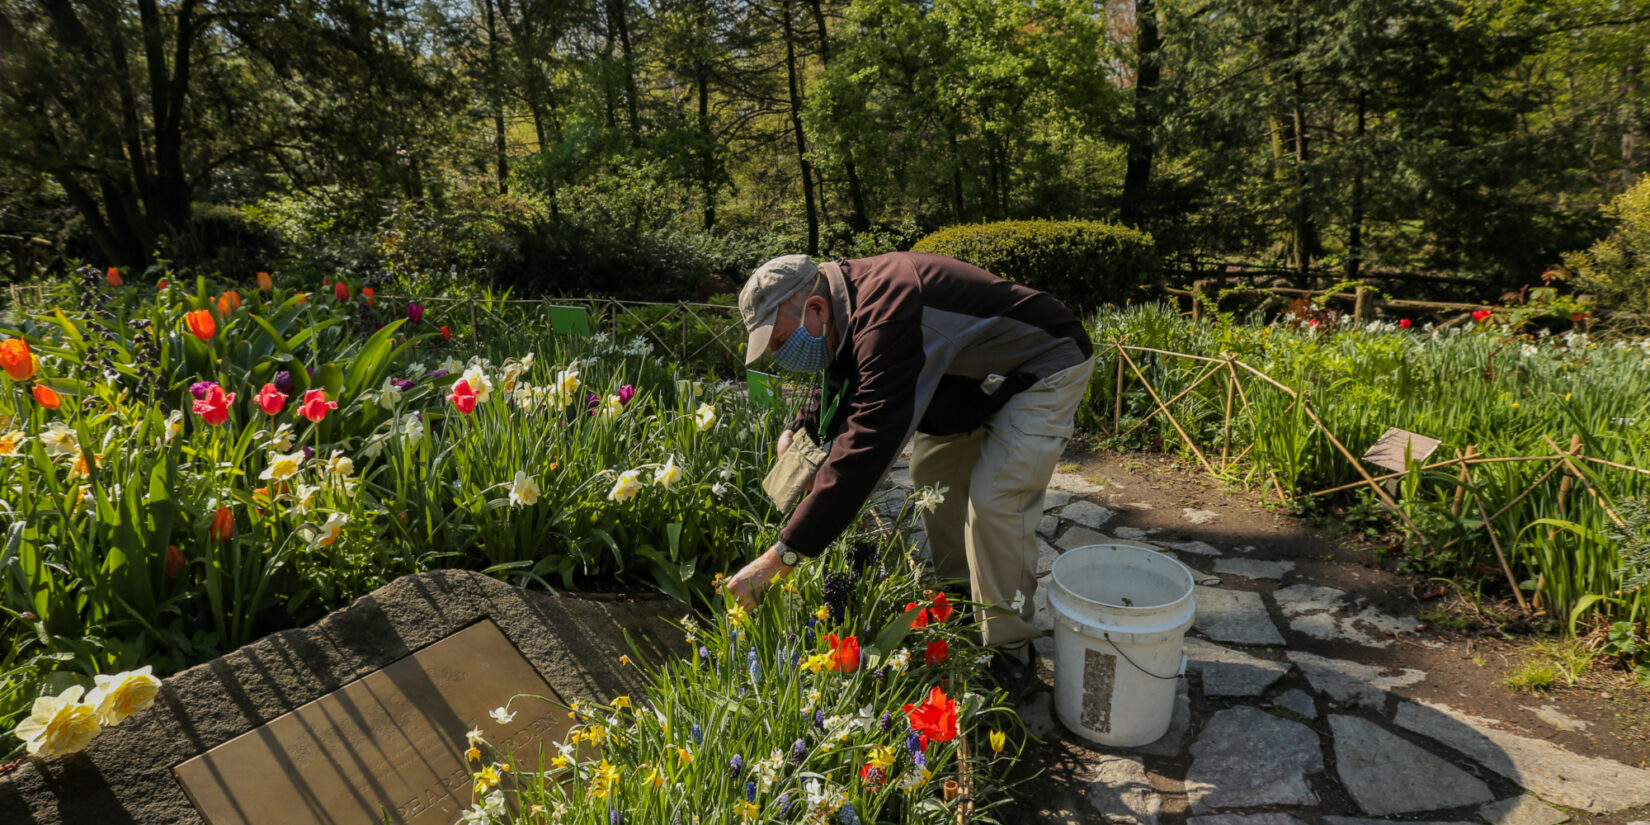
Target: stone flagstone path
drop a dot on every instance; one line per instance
(1283, 736)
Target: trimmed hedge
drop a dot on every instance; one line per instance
(1083, 263)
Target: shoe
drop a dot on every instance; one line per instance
(1016, 678)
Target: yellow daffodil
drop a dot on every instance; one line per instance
(601, 783)
(684, 756)
(560, 761)
(705, 417)
(486, 779)
(816, 662)
(116, 697)
(749, 810)
(998, 739)
(596, 735)
(669, 474)
(626, 488)
(882, 757)
(823, 613)
(737, 614)
(653, 777)
(12, 442)
(621, 702)
(788, 586)
(59, 724)
(473, 754)
(624, 660)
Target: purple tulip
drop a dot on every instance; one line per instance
(283, 381)
(309, 452)
(438, 374)
(415, 313)
(401, 383)
(199, 388)
(626, 393)
(591, 402)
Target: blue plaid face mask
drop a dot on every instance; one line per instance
(802, 352)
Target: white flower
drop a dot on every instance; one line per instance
(305, 497)
(282, 466)
(626, 488)
(340, 465)
(527, 361)
(474, 738)
(451, 365)
(612, 407)
(388, 392)
(1018, 602)
(281, 439)
(899, 660)
(58, 440)
(502, 716)
(476, 815)
(412, 428)
(705, 417)
(479, 382)
(930, 498)
(416, 369)
(59, 724)
(524, 491)
(375, 447)
(327, 534)
(123, 694)
(495, 803)
(718, 489)
(669, 474)
(174, 425)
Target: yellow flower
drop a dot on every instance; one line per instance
(486, 779)
(749, 810)
(684, 756)
(282, 466)
(123, 694)
(624, 660)
(11, 442)
(788, 586)
(816, 662)
(560, 762)
(473, 754)
(705, 417)
(654, 778)
(737, 614)
(626, 488)
(596, 735)
(59, 724)
(82, 466)
(621, 702)
(998, 738)
(882, 757)
(327, 534)
(823, 613)
(669, 474)
(601, 783)
(340, 465)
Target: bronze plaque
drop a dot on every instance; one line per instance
(390, 744)
(1388, 450)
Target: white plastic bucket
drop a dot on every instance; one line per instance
(1120, 615)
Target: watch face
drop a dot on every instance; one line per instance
(789, 557)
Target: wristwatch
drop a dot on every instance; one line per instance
(787, 556)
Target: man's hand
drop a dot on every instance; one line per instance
(783, 444)
(753, 579)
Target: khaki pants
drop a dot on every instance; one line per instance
(985, 531)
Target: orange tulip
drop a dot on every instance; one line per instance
(47, 397)
(229, 302)
(16, 359)
(201, 324)
(371, 296)
(112, 277)
(223, 525)
(265, 284)
(175, 561)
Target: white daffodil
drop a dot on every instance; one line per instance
(174, 425)
(281, 439)
(705, 417)
(612, 407)
(451, 365)
(412, 428)
(718, 489)
(930, 498)
(58, 440)
(503, 716)
(626, 488)
(524, 491)
(340, 465)
(329, 531)
(900, 660)
(416, 370)
(123, 694)
(1018, 602)
(478, 380)
(282, 466)
(305, 497)
(474, 737)
(669, 474)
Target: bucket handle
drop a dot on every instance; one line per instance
(1176, 675)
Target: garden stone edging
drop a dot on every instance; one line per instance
(125, 776)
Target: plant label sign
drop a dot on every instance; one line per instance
(388, 747)
(570, 320)
(763, 387)
(1388, 450)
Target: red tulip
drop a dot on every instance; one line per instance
(341, 291)
(213, 405)
(201, 324)
(47, 397)
(463, 397)
(844, 653)
(112, 277)
(16, 359)
(938, 652)
(223, 525)
(941, 609)
(921, 620)
(446, 333)
(371, 296)
(271, 400)
(316, 405)
(1403, 323)
(1481, 315)
(935, 718)
(174, 561)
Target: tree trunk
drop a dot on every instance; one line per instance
(707, 156)
(956, 178)
(495, 85)
(1355, 233)
(796, 126)
(621, 24)
(1142, 143)
(858, 218)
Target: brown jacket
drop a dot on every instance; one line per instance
(924, 333)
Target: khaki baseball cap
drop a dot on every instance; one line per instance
(767, 289)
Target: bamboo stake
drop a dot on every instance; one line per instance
(1495, 542)
(1173, 354)
(1628, 467)
(1477, 459)
(1461, 491)
(1356, 465)
(1226, 429)
(1117, 418)
(1268, 379)
(1166, 412)
(1195, 384)
(1557, 465)
(1585, 482)
(1564, 488)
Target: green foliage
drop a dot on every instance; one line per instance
(1617, 268)
(1083, 263)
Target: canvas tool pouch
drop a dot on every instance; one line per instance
(788, 480)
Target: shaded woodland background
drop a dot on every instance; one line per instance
(645, 147)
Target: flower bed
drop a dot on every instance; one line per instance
(185, 470)
(850, 695)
